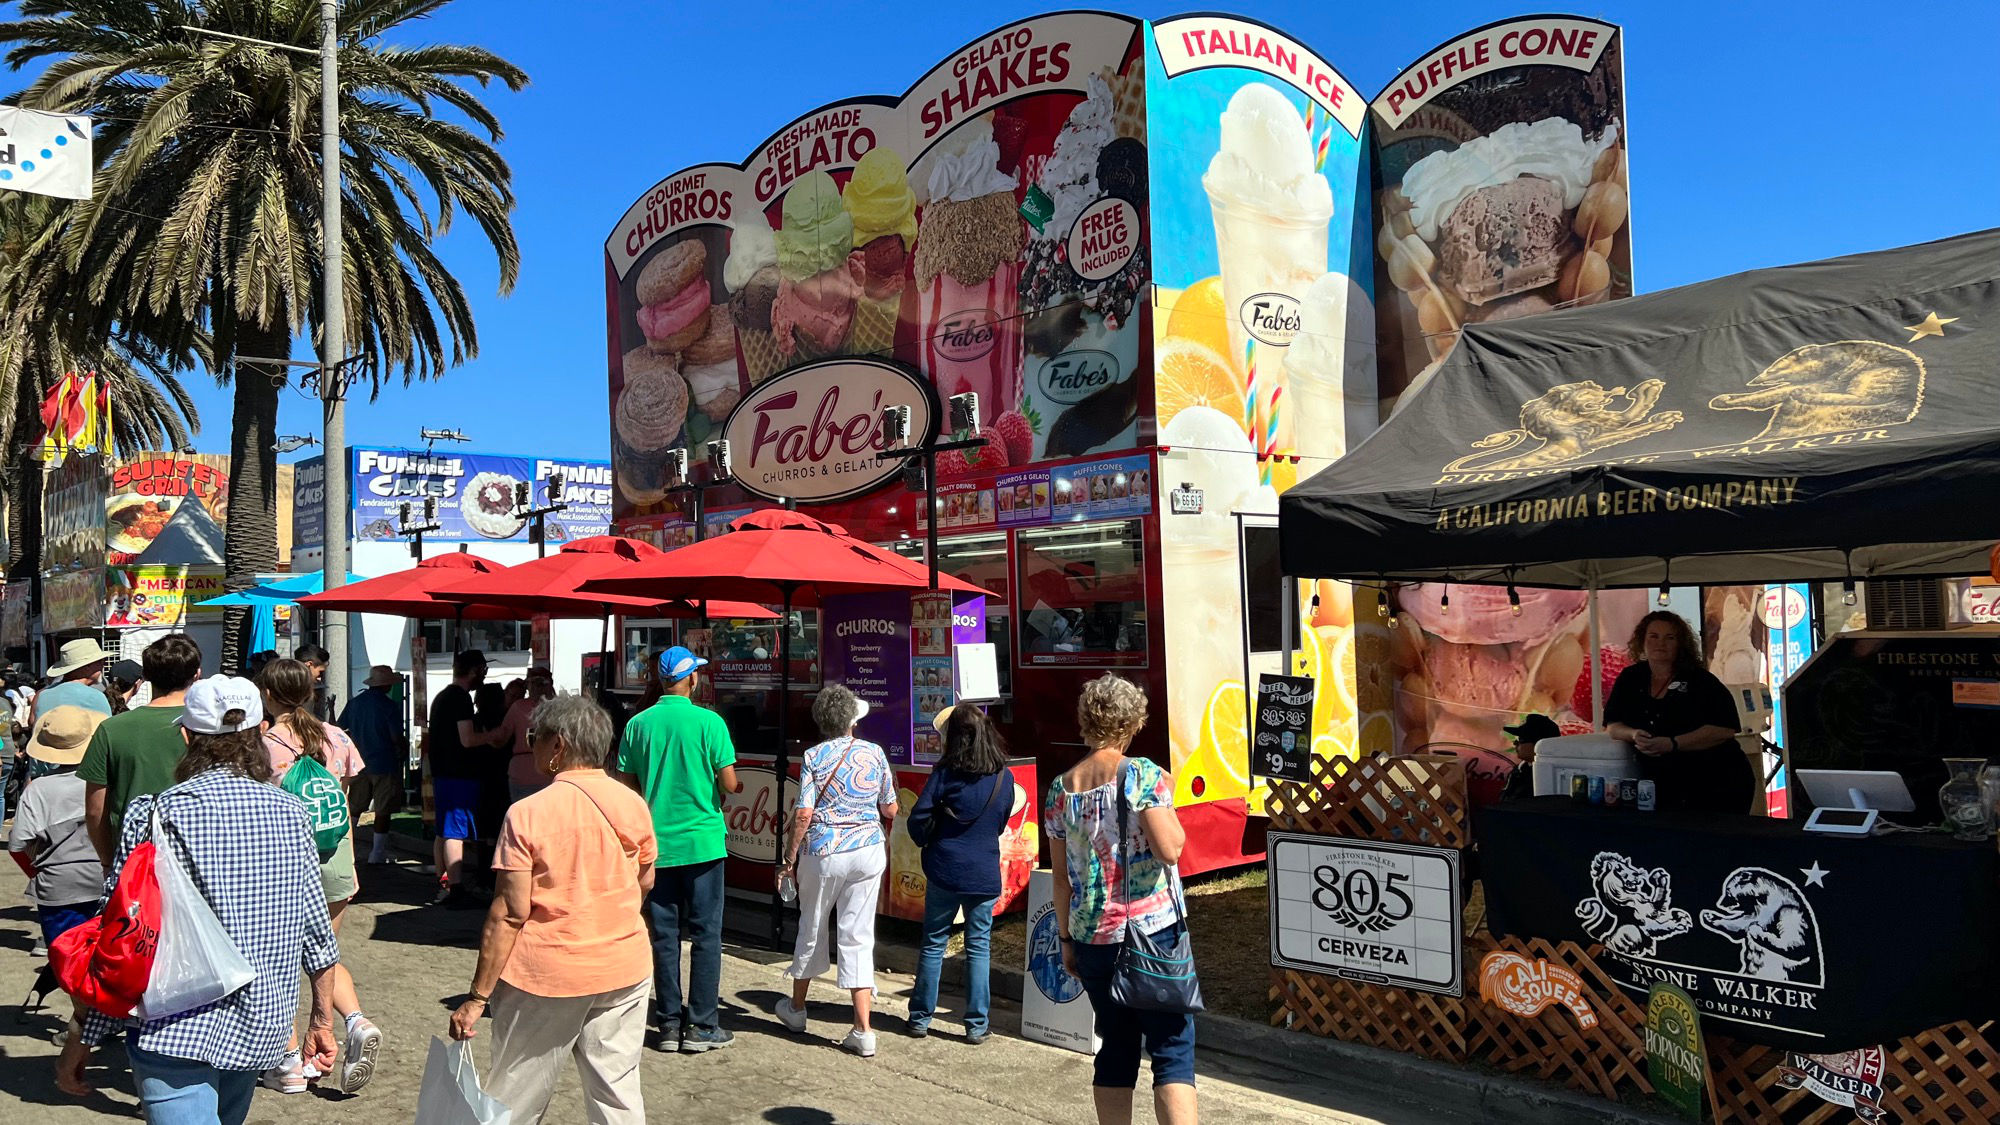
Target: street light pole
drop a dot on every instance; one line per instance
(333, 349)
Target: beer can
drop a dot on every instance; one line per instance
(1628, 791)
(1611, 793)
(1579, 787)
(1595, 794)
(1649, 797)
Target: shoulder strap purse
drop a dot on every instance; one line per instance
(1151, 975)
(1002, 780)
(615, 837)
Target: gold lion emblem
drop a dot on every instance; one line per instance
(1570, 422)
(1833, 388)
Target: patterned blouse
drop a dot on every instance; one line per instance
(846, 782)
(1101, 901)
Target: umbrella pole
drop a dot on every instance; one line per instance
(604, 655)
(783, 760)
(1596, 663)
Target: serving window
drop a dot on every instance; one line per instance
(1081, 594)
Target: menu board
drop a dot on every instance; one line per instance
(1093, 490)
(1281, 738)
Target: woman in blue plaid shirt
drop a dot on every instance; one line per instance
(249, 846)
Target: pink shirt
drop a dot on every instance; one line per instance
(343, 758)
(521, 769)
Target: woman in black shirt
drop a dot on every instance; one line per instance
(1680, 719)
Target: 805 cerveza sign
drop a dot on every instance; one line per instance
(1373, 912)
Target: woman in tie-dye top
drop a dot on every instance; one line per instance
(1105, 883)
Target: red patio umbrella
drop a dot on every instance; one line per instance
(553, 585)
(784, 552)
(407, 593)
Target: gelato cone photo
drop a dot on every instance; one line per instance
(709, 366)
(814, 309)
(967, 270)
(751, 276)
(884, 209)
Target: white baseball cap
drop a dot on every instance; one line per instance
(210, 700)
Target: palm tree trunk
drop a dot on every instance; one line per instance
(250, 535)
(23, 481)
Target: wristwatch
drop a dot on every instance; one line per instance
(487, 1000)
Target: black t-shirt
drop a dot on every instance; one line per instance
(1690, 702)
(1717, 779)
(449, 757)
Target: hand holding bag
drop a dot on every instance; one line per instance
(450, 1094)
(1152, 975)
(197, 963)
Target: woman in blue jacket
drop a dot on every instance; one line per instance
(957, 822)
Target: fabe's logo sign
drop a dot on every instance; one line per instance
(751, 818)
(1075, 375)
(812, 433)
(967, 334)
(1273, 318)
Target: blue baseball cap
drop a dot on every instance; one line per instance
(676, 663)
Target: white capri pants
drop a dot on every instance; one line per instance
(847, 885)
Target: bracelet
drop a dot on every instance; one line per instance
(475, 998)
(1675, 743)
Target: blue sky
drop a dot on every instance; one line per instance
(1761, 133)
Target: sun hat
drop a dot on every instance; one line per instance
(677, 662)
(1534, 728)
(381, 675)
(210, 700)
(77, 654)
(62, 735)
(943, 716)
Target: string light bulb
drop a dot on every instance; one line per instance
(1662, 599)
(1444, 599)
(1513, 600)
(1847, 591)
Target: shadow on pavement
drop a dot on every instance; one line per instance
(32, 1078)
(797, 1115)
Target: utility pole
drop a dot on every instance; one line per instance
(680, 479)
(333, 349)
(537, 514)
(415, 531)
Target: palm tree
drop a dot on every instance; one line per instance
(206, 215)
(44, 336)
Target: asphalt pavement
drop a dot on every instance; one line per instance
(413, 964)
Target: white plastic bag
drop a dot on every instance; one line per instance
(197, 962)
(450, 1094)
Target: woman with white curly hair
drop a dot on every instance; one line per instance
(846, 791)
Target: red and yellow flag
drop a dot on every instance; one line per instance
(76, 414)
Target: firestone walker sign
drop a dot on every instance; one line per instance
(1378, 913)
(1675, 1061)
(1851, 1078)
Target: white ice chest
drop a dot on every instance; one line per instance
(1593, 755)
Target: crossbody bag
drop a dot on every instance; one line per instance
(1152, 975)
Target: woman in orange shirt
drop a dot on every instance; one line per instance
(564, 960)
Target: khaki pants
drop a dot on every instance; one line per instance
(533, 1035)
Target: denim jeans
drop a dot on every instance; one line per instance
(1167, 1036)
(939, 907)
(185, 1092)
(59, 920)
(686, 902)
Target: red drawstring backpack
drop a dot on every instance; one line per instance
(107, 962)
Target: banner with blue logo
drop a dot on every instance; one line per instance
(475, 494)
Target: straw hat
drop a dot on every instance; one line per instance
(62, 735)
(77, 654)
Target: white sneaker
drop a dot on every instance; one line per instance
(288, 1077)
(357, 1063)
(859, 1042)
(793, 1018)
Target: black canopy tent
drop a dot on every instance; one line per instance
(1808, 422)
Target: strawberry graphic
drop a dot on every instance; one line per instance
(1615, 661)
(955, 463)
(1018, 432)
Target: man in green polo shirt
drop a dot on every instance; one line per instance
(133, 755)
(678, 756)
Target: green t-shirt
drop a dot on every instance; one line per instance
(675, 749)
(133, 755)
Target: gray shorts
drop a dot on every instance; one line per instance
(374, 796)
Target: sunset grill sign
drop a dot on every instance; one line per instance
(812, 433)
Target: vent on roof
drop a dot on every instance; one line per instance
(1906, 603)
